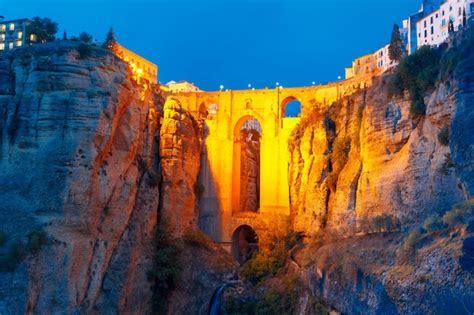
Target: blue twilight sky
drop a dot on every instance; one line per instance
(233, 42)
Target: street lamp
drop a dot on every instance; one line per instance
(249, 85)
(313, 83)
(221, 87)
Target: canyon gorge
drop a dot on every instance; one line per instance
(107, 185)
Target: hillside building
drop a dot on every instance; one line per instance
(13, 33)
(141, 67)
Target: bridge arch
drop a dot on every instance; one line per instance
(244, 243)
(246, 165)
(291, 107)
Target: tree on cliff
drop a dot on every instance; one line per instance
(64, 35)
(464, 19)
(44, 29)
(395, 49)
(85, 37)
(110, 40)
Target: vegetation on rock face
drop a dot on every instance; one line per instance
(167, 269)
(417, 74)
(36, 239)
(281, 298)
(196, 238)
(15, 253)
(443, 136)
(267, 262)
(459, 215)
(44, 29)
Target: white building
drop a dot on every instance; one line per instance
(383, 60)
(432, 30)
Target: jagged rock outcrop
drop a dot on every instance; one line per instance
(180, 150)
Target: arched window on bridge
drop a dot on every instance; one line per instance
(246, 165)
(291, 107)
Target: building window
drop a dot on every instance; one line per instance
(424, 23)
(431, 20)
(459, 11)
(3, 27)
(18, 43)
(426, 33)
(450, 9)
(442, 13)
(419, 35)
(2, 37)
(432, 30)
(19, 34)
(33, 37)
(443, 22)
(2, 46)
(12, 26)
(10, 45)
(436, 15)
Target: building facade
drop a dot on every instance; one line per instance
(433, 29)
(13, 33)
(182, 87)
(141, 67)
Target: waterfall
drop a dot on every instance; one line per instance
(215, 304)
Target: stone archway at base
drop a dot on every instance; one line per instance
(244, 243)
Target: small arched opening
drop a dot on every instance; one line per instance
(291, 107)
(246, 165)
(244, 243)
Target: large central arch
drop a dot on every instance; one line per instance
(246, 164)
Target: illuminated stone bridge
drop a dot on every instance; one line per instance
(244, 176)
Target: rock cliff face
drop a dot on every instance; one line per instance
(363, 174)
(366, 156)
(90, 158)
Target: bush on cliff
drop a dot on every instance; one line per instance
(166, 268)
(44, 29)
(36, 240)
(9, 261)
(417, 74)
(268, 261)
(196, 238)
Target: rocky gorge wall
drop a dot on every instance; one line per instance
(367, 156)
(90, 162)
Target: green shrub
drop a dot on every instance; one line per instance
(197, 238)
(416, 73)
(433, 223)
(36, 239)
(280, 301)
(385, 223)
(443, 136)
(84, 50)
(13, 257)
(267, 262)
(409, 245)
(3, 237)
(460, 214)
(166, 267)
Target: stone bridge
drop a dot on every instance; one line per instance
(221, 177)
